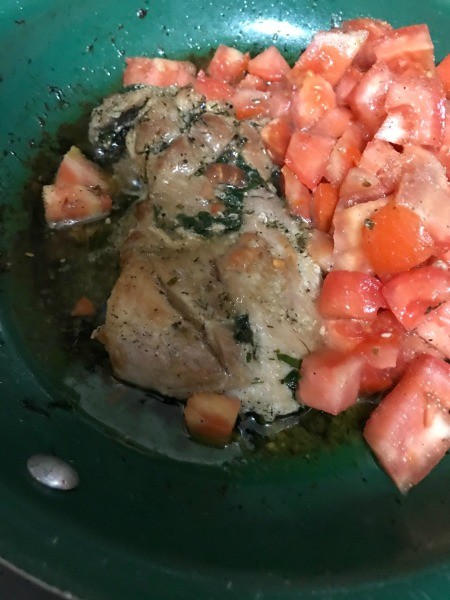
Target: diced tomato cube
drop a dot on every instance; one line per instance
(345, 334)
(228, 64)
(329, 380)
(212, 89)
(424, 189)
(311, 100)
(76, 169)
(360, 186)
(404, 46)
(298, 196)
(324, 201)
(307, 156)
(270, 65)
(83, 307)
(347, 86)
(435, 328)
(334, 122)
(160, 72)
(383, 160)
(66, 205)
(348, 223)
(413, 294)
(376, 29)
(369, 97)
(210, 418)
(252, 82)
(443, 72)
(350, 295)
(280, 98)
(345, 155)
(410, 429)
(320, 249)
(276, 136)
(395, 240)
(249, 104)
(329, 54)
(416, 105)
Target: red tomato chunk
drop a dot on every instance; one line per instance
(410, 430)
(211, 417)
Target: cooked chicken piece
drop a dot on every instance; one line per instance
(215, 288)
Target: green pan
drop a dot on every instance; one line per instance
(155, 515)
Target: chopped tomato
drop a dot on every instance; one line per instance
(413, 294)
(345, 155)
(249, 104)
(424, 189)
(395, 240)
(228, 174)
(276, 136)
(369, 97)
(345, 335)
(329, 381)
(350, 295)
(83, 307)
(297, 195)
(443, 153)
(320, 249)
(312, 100)
(415, 109)
(348, 223)
(210, 417)
(347, 86)
(280, 98)
(252, 82)
(407, 45)
(212, 89)
(443, 71)
(376, 29)
(75, 169)
(329, 54)
(270, 65)
(435, 328)
(158, 71)
(228, 64)
(334, 122)
(410, 429)
(324, 200)
(360, 185)
(65, 205)
(383, 160)
(307, 156)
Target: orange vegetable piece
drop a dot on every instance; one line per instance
(395, 240)
(324, 201)
(210, 417)
(83, 308)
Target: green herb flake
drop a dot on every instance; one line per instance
(289, 360)
(243, 333)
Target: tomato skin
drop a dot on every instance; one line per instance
(270, 65)
(395, 240)
(350, 295)
(410, 429)
(160, 72)
(298, 196)
(212, 89)
(228, 65)
(307, 156)
(276, 136)
(312, 100)
(405, 46)
(329, 381)
(411, 295)
(329, 54)
(210, 418)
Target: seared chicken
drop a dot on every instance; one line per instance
(215, 289)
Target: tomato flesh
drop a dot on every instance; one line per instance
(307, 156)
(410, 429)
(210, 418)
(158, 71)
